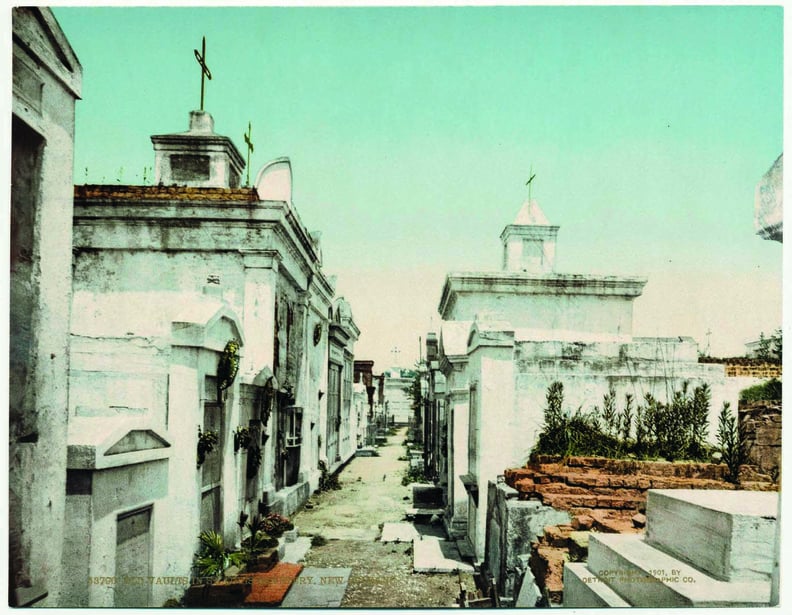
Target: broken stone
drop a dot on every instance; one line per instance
(639, 520)
(582, 522)
(578, 546)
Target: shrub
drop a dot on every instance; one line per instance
(674, 431)
(259, 539)
(413, 475)
(730, 442)
(275, 525)
(766, 391)
(327, 481)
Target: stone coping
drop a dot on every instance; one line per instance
(105, 192)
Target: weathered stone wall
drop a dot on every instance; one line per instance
(587, 370)
(761, 425)
(512, 525)
(46, 81)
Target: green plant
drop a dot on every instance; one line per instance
(626, 418)
(253, 461)
(275, 525)
(730, 443)
(258, 538)
(413, 475)
(676, 430)
(765, 391)
(699, 422)
(243, 438)
(213, 559)
(609, 415)
(207, 441)
(227, 366)
(327, 481)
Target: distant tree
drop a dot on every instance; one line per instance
(763, 351)
(776, 343)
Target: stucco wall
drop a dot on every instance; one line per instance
(40, 288)
(588, 314)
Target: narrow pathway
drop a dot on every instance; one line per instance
(349, 519)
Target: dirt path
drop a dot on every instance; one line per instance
(350, 520)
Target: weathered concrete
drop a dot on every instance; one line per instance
(399, 532)
(318, 588)
(729, 534)
(512, 525)
(47, 79)
(585, 590)
(296, 550)
(648, 577)
(430, 554)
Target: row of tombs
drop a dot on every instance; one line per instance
(507, 338)
(206, 369)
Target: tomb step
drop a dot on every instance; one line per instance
(648, 577)
(584, 590)
(728, 534)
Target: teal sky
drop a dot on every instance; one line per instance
(411, 132)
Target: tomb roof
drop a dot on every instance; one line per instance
(531, 214)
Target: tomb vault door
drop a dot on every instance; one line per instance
(133, 559)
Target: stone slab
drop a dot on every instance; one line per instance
(648, 577)
(431, 554)
(728, 534)
(295, 551)
(529, 595)
(367, 451)
(465, 549)
(584, 590)
(318, 588)
(399, 532)
(427, 512)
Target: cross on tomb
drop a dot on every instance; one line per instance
(529, 183)
(249, 144)
(205, 72)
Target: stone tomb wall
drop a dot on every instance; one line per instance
(761, 425)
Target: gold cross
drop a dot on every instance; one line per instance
(529, 183)
(205, 72)
(249, 144)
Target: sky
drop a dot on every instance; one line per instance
(412, 132)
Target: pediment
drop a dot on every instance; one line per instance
(137, 440)
(37, 30)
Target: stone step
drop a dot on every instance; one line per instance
(583, 590)
(728, 534)
(647, 577)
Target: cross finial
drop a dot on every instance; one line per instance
(249, 144)
(529, 183)
(205, 72)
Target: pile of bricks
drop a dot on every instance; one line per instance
(605, 495)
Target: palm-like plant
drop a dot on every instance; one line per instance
(213, 559)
